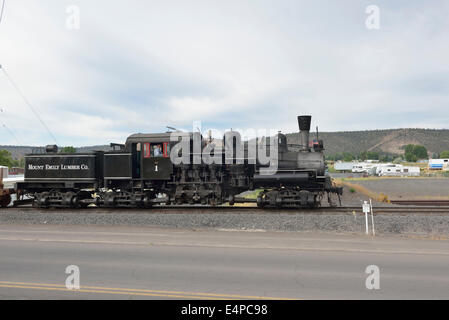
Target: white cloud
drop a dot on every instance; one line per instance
(139, 66)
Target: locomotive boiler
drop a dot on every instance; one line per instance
(145, 172)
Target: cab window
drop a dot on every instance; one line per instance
(156, 150)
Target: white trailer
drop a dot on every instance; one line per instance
(343, 166)
(400, 170)
(379, 167)
(358, 167)
(439, 164)
(365, 167)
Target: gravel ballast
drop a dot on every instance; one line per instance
(411, 224)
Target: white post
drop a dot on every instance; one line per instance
(372, 216)
(366, 210)
(366, 220)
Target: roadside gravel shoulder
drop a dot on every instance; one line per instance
(412, 224)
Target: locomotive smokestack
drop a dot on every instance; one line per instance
(304, 129)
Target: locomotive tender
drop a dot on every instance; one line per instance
(142, 173)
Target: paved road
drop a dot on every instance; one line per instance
(151, 263)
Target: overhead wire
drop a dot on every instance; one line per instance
(1, 13)
(27, 102)
(21, 93)
(11, 132)
(1, 110)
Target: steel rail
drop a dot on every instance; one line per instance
(183, 209)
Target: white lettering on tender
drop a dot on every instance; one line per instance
(35, 167)
(58, 167)
(70, 167)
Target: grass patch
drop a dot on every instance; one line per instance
(362, 190)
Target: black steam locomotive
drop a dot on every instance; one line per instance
(142, 173)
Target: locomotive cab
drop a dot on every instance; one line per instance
(150, 156)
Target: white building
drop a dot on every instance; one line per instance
(3, 172)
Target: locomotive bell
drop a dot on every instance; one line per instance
(304, 129)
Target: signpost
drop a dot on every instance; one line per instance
(366, 210)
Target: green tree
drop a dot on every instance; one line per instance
(414, 152)
(6, 159)
(444, 154)
(386, 157)
(369, 155)
(347, 156)
(420, 152)
(397, 160)
(68, 150)
(410, 157)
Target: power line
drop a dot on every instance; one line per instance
(1, 13)
(27, 103)
(9, 130)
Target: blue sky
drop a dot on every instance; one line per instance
(138, 66)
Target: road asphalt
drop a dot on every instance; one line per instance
(161, 263)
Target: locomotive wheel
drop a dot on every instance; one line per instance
(41, 200)
(5, 200)
(81, 196)
(147, 202)
(317, 202)
(137, 200)
(260, 203)
(69, 199)
(109, 199)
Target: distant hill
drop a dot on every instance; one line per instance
(390, 141)
(386, 141)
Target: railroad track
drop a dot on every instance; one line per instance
(240, 209)
(421, 202)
